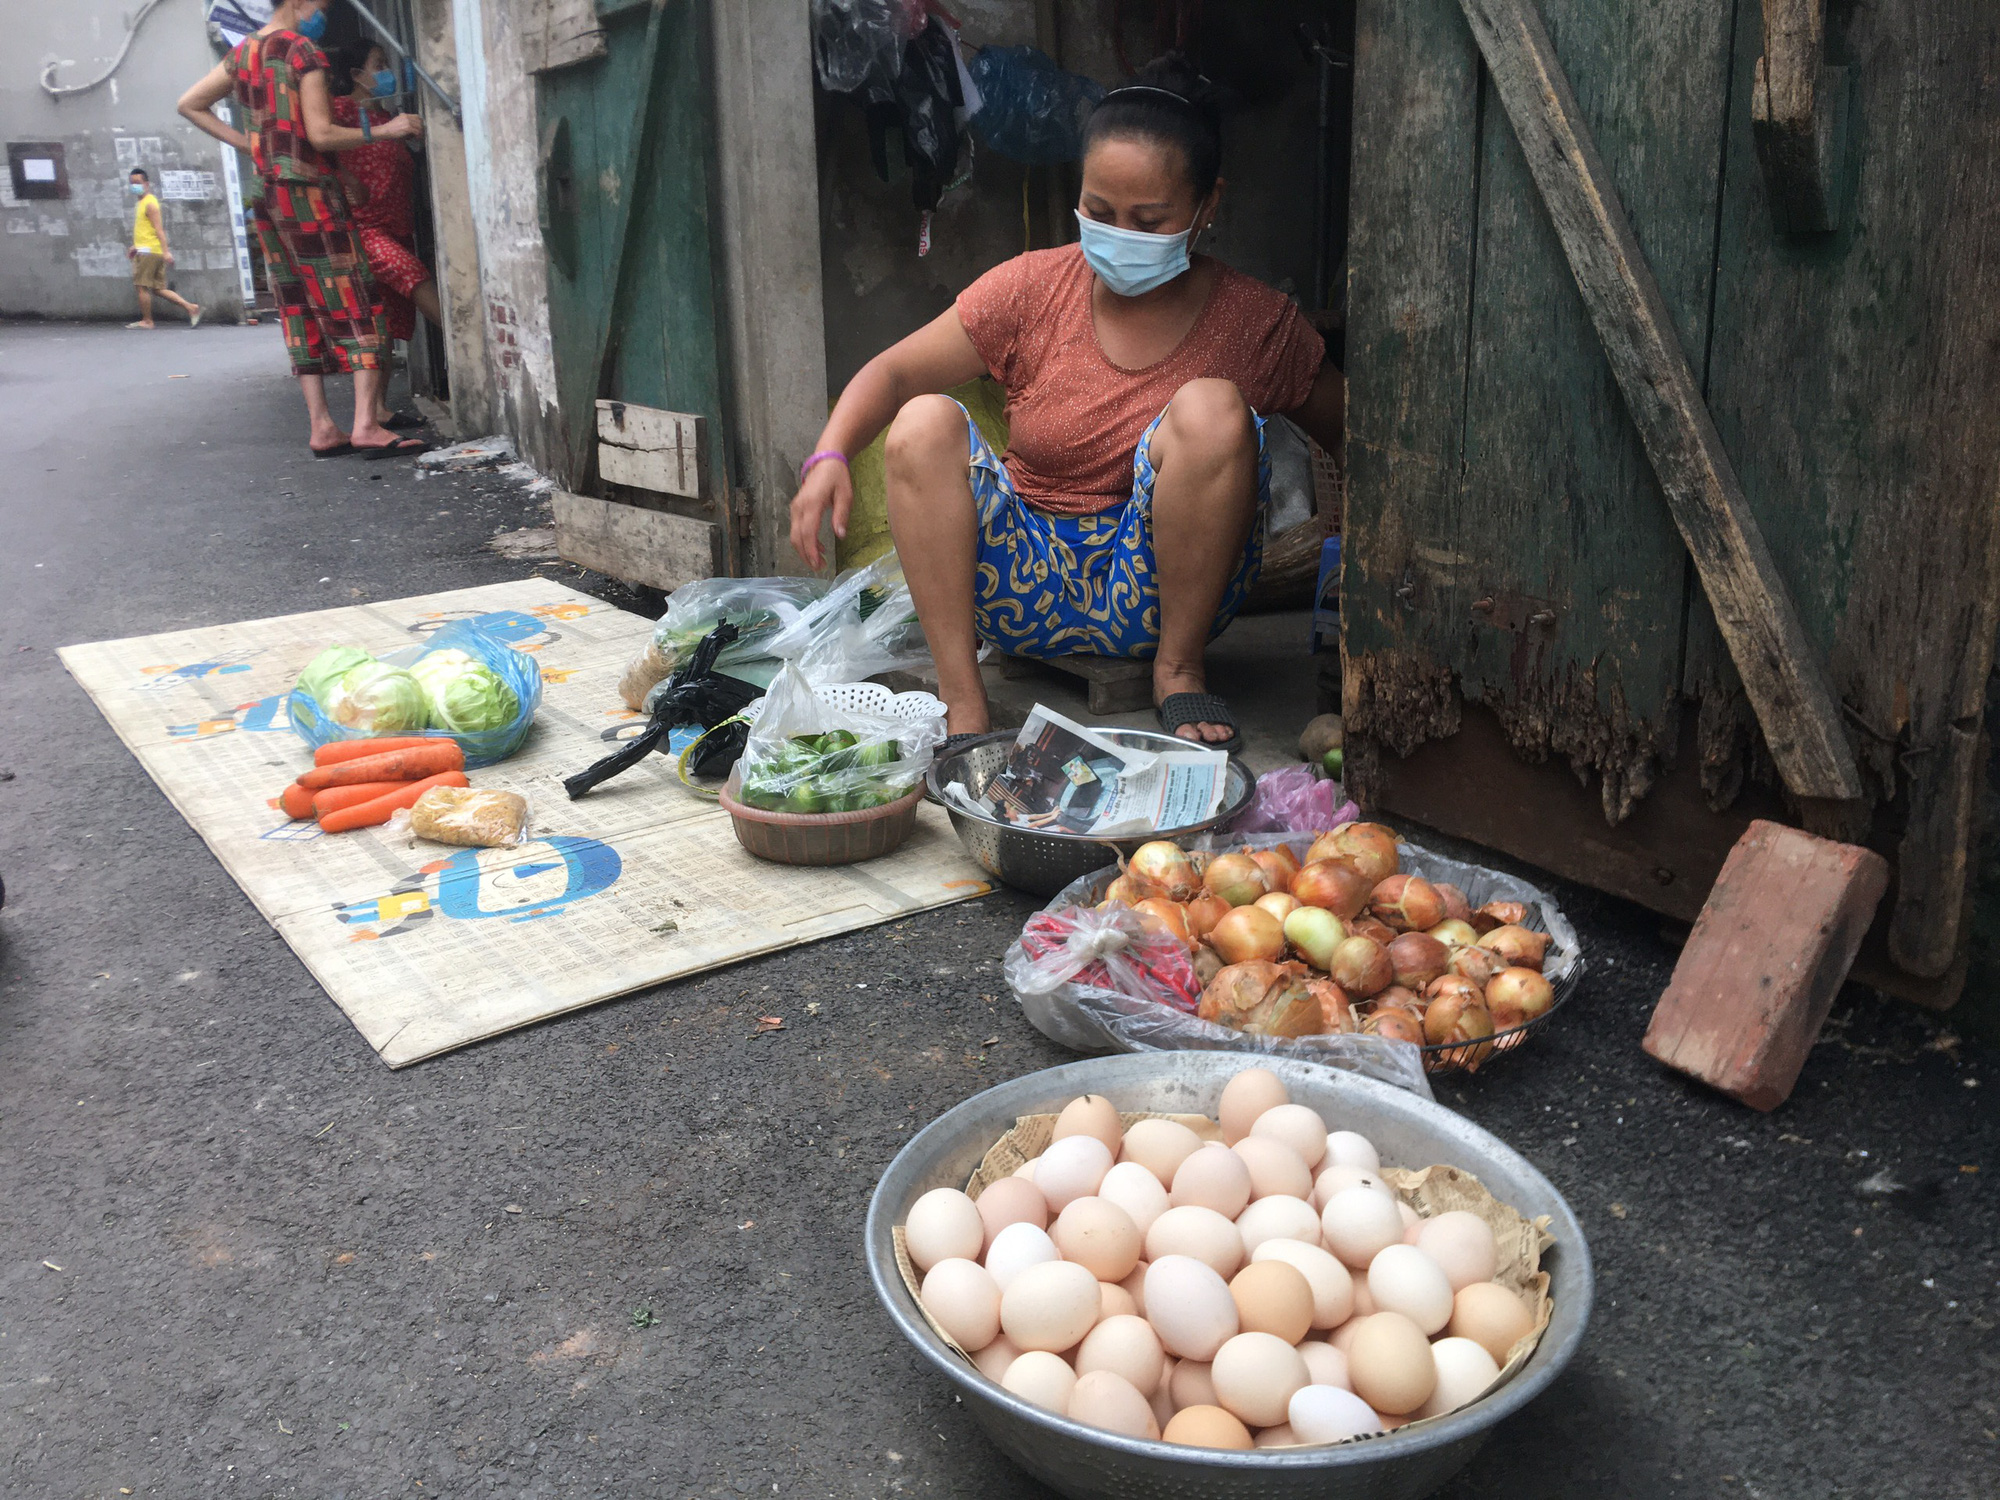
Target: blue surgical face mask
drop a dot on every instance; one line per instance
(385, 83)
(136, 189)
(313, 27)
(1129, 261)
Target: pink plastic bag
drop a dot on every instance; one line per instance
(1295, 799)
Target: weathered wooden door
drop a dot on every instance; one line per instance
(626, 140)
(1513, 572)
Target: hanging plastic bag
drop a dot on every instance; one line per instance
(1033, 111)
(807, 754)
(1295, 799)
(926, 105)
(857, 43)
(758, 607)
(867, 623)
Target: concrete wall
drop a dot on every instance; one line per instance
(66, 258)
(876, 287)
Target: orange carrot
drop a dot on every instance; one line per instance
(296, 801)
(369, 814)
(395, 765)
(346, 750)
(334, 798)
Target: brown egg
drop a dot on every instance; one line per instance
(1011, 1200)
(1389, 1361)
(1245, 1097)
(1272, 1297)
(1276, 1170)
(1214, 1177)
(1190, 1384)
(1491, 1316)
(1102, 1399)
(1160, 1146)
(1207, 1427)
(1126, 1346)
(1093, 1115)
(1256, 1374)
(1113, 1301)
(1098, 1235)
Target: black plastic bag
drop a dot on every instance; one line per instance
(1033, 110)
(695, 694)
(923, 101)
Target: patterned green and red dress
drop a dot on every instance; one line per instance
(332, 314)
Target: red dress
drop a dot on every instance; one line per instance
(385, 215)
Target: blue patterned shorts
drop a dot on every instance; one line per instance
(1049, 585)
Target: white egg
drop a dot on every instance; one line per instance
(1326, 1364)
(1136, 1190)
(1200, 1232)
(996, 1356)
(1296, 1126)
(1160, 1146)
(1125, 1346)
(1014, 1249)
(1462, 1245)
(1026, 1169)
(1276, 1170)
(1071, 1168)
(1401, 1278)
(1214, 1177)
(1346, 1149)
(1050, 1306)
(1332, 1283)
(1464, 1373)
(1191, 1385)
(1189, 1306)
(1255, 1375)
(1043, 1378)
(1330, 1414)
(1358, 1224)
(1280, 1436)
(943, 1224)
(962, 1297)
(1102, 1399)
(1277, 1219)
(1337, 1178)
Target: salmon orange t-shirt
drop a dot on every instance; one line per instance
(1074, 418)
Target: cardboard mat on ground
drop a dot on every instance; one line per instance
(425, 947)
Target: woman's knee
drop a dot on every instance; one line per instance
(927, 431)
(1212, 414)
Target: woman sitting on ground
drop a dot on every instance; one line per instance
(1127, 516)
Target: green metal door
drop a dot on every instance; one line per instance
(626, 142)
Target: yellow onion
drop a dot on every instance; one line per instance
(1456, 907)
(1521, 948)
(1279, 866)
(1397, 1025)
(1262, 999)
(1517, 996)
(1165, 865)
(1314, 933)
(1129, 890)
(1401, 997)
(1336, 1011)
(1418, 958)
(1235, 878)
(1248, 933)
(1203, 912)
(1408, 903)
(1361, 967)
(1369, 847)
(1457, 1017)
(1280, 904)
(1162, 915)
(1477, 964)
(1333, 884)
(1454, 932)
(1366, 926)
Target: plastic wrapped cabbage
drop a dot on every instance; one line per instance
(463, 694)
(376, 698)
(326, 669)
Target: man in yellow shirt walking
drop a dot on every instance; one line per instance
(150, 256)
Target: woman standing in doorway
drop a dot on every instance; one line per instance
(332, 317)
(1127, 516)
(381, 183)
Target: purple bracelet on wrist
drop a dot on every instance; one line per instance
(819, 458)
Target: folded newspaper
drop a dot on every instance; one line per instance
(1065, 778)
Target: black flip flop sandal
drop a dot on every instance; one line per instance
(407, 448)
(404, 421)
(338, 450)
(1181, 709)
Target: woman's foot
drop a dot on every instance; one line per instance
(1168, 680)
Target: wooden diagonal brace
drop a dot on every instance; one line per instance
(1799, 115)
(1783, 676)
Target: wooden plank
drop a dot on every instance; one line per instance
(1783, 676)
(1413, 202)
(1798, 113)
(653, 547)
(652, 449)
(1858, 393)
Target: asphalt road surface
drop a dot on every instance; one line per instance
(618, 1254)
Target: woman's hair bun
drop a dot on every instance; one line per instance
(1169, 101)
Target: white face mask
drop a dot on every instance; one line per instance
(1129, 261)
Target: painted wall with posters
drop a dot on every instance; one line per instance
(65, 217)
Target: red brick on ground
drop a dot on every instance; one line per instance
(1771, 948)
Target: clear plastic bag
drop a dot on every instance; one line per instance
(471, 817)
(860, 42)
(1032, 110)
(867, 623)
(805, 755)
(518, 670)
(1107, 948)
(1296, 799)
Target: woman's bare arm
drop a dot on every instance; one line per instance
(197, 107)
(1324, 414)
(317, 102)
(935, 358)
